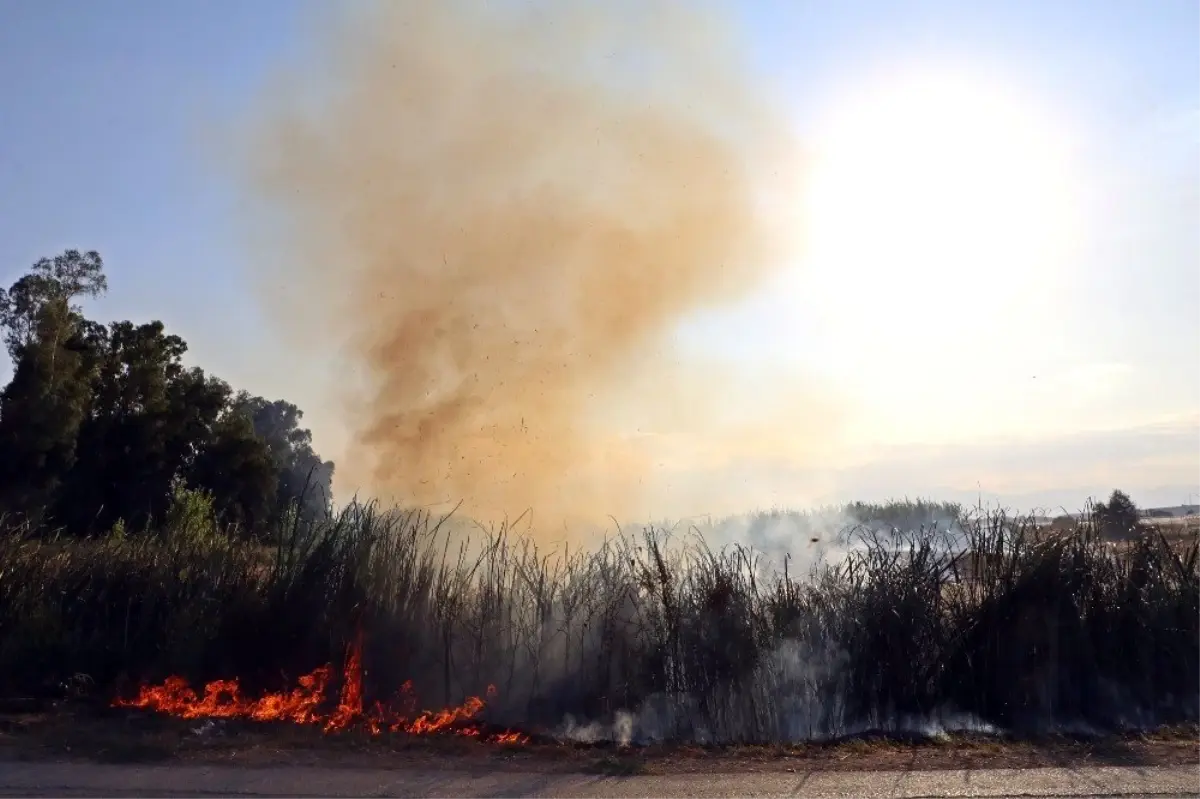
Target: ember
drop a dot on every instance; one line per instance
(222, 699)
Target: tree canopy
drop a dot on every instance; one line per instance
(1117, 518)
(101, 424)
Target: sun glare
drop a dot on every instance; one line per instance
(938, 210)
(940, 215)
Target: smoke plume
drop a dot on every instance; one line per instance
(497, 213)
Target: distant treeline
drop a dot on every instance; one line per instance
(103, 428)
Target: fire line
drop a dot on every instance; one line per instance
(222, 699)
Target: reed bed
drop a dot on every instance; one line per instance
(990, 622)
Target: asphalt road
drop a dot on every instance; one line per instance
(85, 779)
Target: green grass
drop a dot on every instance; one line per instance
(1061, 631)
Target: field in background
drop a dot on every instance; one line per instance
(922, 618)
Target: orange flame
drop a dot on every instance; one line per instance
(222, 699)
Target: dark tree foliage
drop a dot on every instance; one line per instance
(43, 406)
(1117, 518)
(304, 478)
(40, 303)
(237, 468)
(100, 423)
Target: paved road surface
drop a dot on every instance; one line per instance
(83, 779)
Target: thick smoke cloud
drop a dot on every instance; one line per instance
(499, 212)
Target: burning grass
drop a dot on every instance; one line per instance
(223, 699)
(649, 637)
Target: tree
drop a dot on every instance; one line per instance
(236, 467)
(129, 447)
(105, 426)
(152, 422)
(52, 347)
(1118, 518)
(304, 478)
(39, 304)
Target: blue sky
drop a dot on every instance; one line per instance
(114, 111)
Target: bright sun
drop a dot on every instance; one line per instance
(938, 210)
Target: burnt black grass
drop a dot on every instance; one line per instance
(650, 634)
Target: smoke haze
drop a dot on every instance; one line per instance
(497, 213)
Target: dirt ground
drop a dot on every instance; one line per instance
(112, 736)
